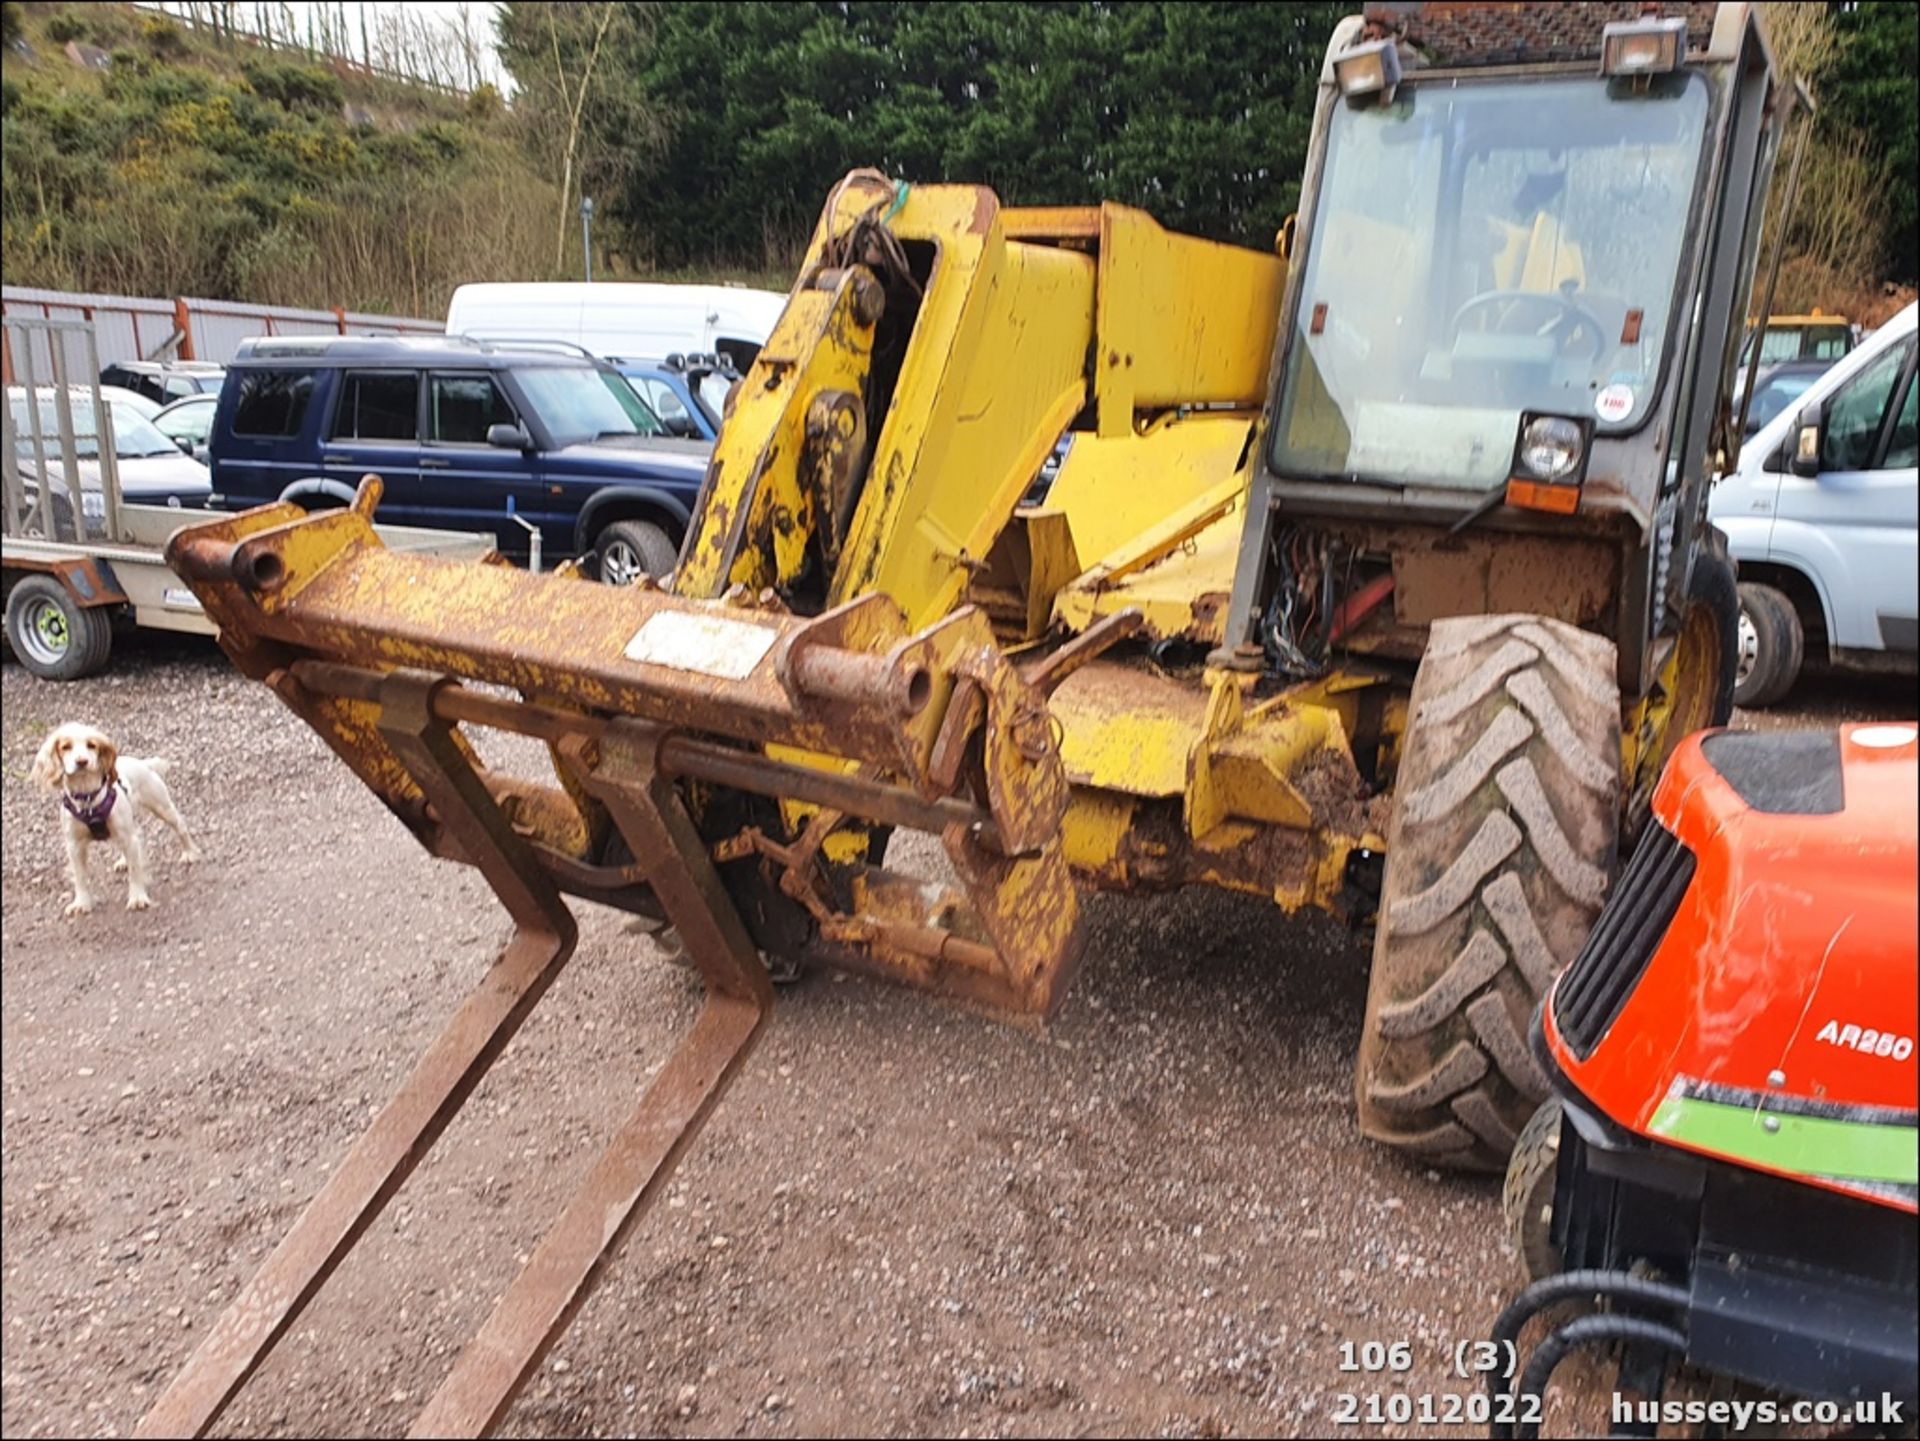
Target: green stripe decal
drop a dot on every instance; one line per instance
(1803, 1145)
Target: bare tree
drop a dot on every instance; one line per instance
(1833, 236)
(573, 100)
(470, 47)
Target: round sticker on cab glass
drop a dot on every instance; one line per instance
(1614, 404)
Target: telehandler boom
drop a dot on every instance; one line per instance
(1375, 577)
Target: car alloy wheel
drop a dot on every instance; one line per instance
(620, 564)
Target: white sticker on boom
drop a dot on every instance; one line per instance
(704, 644)
(1614, 404)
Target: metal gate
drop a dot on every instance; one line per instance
(47, 496)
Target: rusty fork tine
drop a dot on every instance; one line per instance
(562, 1272)
(498, 1361)
(384, 1157)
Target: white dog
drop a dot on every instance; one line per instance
(92, 777)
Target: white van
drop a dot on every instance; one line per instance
(617, 318)
(1823, 518)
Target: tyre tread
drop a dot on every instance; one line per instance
(1501, 853)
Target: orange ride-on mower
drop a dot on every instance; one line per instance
(1727, 1176)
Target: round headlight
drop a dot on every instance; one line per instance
(1550, 448)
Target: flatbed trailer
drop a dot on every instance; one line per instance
(70, 592)
(64, 583)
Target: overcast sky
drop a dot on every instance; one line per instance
(385, 26)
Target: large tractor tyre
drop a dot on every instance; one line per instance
(629, 549)
(1500, 853)
(55, 638)
(1772, 647)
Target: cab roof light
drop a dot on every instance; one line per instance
(1643, 47)
(1370, 69)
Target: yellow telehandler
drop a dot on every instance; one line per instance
(1371, 574)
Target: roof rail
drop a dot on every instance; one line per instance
(516, 342)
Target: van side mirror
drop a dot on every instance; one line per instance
(1806, 448)
(509, 437)
(185, 442)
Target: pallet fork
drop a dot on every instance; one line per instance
(366, 645)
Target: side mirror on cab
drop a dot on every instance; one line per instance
(509, 437)
(1805, 460)
(185, 442)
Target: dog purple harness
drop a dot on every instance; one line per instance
(93, 812)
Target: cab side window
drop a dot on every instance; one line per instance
(1858, 410)
(1902, 447)
(272, 403)
(660, 396)
(462, 407)
(378, 405)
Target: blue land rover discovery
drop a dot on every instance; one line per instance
(467, 435)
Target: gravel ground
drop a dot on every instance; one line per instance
(1156, 1218)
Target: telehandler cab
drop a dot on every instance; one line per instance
(1390, 547)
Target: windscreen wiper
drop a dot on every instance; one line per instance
(1487, 503)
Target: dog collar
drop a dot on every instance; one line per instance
(93, 810)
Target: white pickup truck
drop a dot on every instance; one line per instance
(1822, 520)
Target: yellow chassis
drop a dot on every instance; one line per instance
(868, 630)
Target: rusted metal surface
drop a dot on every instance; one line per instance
(835, 454)
(1566, 578)
(642, 699)
(1045, 676)
(560, 1273)
(404, 1131)
(852, 702)
(1466, 33)
(88, 581)
(680, 756)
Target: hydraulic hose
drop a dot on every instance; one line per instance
(1567, 1286)
(1587, 1331)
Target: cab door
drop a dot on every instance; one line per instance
(1862, 511)
(679, 413)
(466, 483)
(375, 429)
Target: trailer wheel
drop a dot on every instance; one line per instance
(1500, 853)
(1526, 1200)
(629, 549)
(54, 637)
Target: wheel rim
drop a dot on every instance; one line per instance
(1682, 700)
(45, 635)
(1694, 679)
(619, 563)
(1749, 654)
